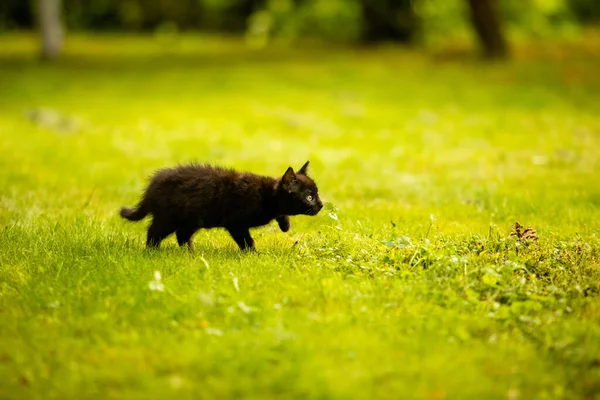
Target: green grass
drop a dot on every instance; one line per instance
(408, 285)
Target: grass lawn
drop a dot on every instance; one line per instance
(408, 284)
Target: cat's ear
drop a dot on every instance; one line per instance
(289, 176)
(303, 170)
(288, 179)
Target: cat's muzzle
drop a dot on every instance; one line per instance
(314, 210)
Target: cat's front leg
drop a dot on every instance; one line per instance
(284, 223)
(242, 238)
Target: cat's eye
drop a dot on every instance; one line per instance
(309, 197)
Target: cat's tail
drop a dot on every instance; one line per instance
(134, 214)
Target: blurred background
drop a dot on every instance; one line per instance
(431, 127)
(467, 100)
(426, 23)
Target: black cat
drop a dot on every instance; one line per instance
(187, 198)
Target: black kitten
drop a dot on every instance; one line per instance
(187, 198)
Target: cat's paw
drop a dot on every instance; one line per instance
(284, 223)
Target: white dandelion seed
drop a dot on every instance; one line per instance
(156, 284)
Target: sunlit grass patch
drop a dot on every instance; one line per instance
(407, 284)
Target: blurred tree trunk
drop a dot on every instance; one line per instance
(484, 16)
(51, 30)
(236, 17)
(392, 20)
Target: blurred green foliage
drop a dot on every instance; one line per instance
(337, 20)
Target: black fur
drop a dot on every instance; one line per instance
(187, 198)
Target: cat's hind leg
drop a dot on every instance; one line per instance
(248, 239)
(184, 236)
(158, 230)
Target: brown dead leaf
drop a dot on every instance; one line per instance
(524, 233)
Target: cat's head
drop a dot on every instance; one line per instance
(298, 193)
